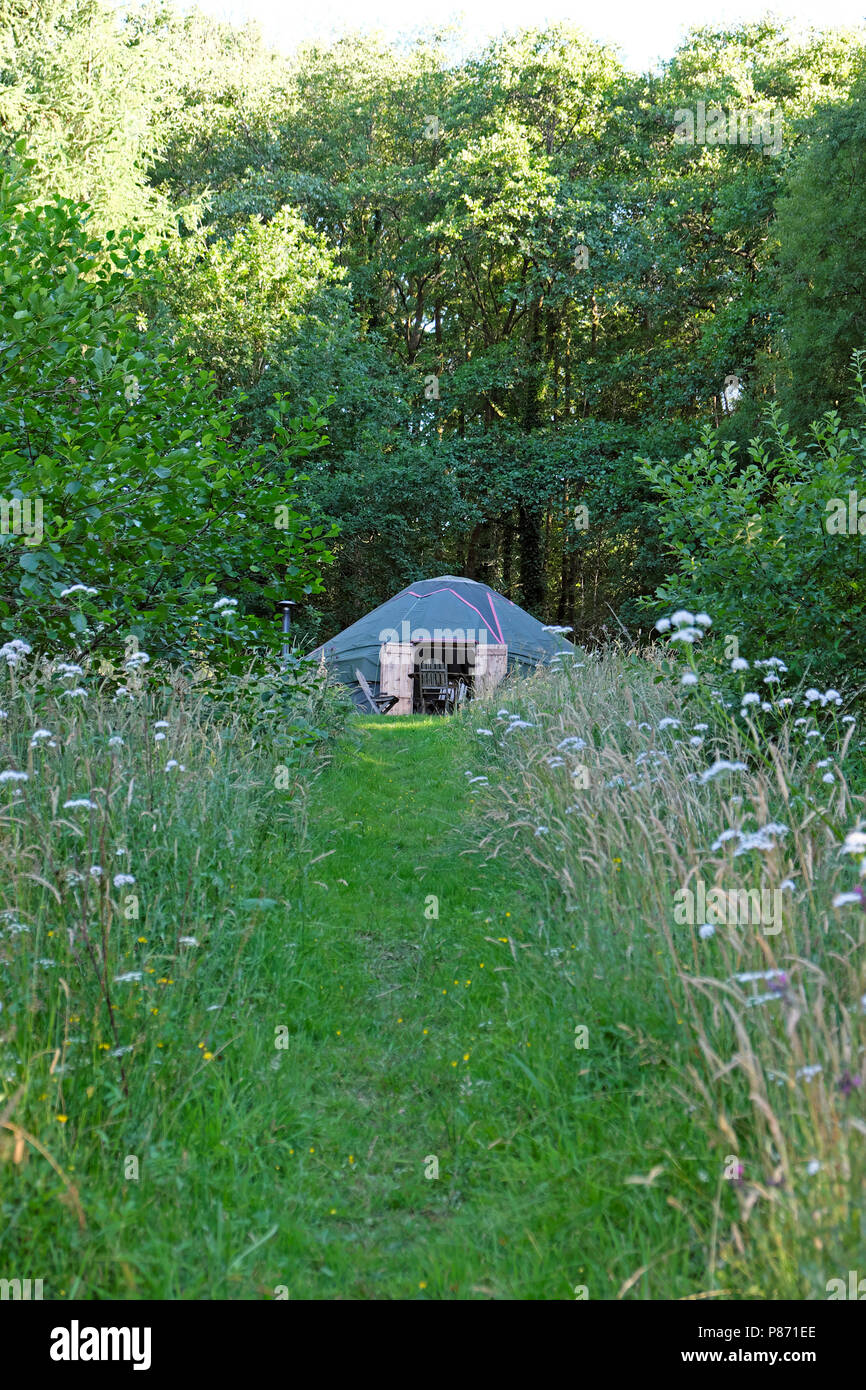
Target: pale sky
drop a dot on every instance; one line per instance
(645, 30)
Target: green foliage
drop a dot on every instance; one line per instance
(137, 503)
(453, 195)
(822, 261)
(83, 91)
(771, 544)
(238, 302)
(393, 233)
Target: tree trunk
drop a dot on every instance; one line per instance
(507, 555)
(531, 560)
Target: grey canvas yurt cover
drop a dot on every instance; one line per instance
(447, 604)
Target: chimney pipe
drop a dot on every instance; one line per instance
(286, 604)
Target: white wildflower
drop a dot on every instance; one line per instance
(15, 652)
(724, 837)
(764, 839)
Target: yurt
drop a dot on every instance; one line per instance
(436, 643)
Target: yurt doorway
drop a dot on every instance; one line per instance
(437, 677)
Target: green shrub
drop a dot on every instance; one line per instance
(124, 510)
(765, 545)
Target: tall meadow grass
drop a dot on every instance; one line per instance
(657, 799)
(134, 810)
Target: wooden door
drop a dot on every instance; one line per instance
(491, 663)
(395, 678)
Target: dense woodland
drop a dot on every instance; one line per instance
(470, 293)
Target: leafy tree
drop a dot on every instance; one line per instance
(822, 260)
(137, 505)
(237, 302)
(83, 92)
